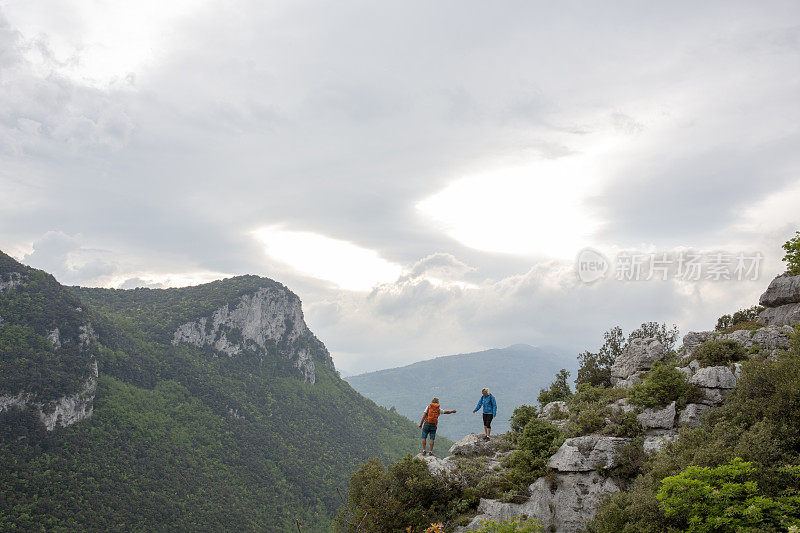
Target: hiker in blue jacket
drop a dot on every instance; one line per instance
(489, 411)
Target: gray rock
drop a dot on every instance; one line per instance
(771, 337)
(437, 466)
(586, 453)
(474, 445)
(716, 377)
(63, 411)
(555, 411)
(9, 281)
(621, 405)
(656, 443)
(562, 502)
(692, 340)
(781, 291)
(691, 414)
(54, 337)
(713, 396)
(637, 357)
(658, 418)
(264, 320)
(783, 315)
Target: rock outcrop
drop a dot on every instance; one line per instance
(437, 466)
(781, 301)
(658, 418)
(635, 360)
(61, 412)
(267, 322)
(9, 280)
(715, 382)
(474, 445)
(587, 453)
(769, 340)
(561, 502)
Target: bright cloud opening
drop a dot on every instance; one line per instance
(96, 43)
(347, 265)
(534, 209)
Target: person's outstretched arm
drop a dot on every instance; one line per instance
(448, 412)
(480, 403)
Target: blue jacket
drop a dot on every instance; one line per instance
(489, 405)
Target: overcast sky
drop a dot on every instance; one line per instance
(422, 174)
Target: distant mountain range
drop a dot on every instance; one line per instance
(514, 375)
(206, 408)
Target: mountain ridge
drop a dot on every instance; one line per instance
(224, 424)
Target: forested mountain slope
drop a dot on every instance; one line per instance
(201, 408)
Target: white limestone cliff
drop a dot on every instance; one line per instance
(269, 321)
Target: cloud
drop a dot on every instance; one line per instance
(447, 163)
(64, 256)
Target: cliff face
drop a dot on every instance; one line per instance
(48, 348)
(269, 320)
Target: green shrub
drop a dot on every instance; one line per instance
(393, 498)
(539, 440)
(558, 391)
(515, 525)
(719, 352)
(521, 416)
(590, 419)
(622, 424)
(726, 498)
(792, 257)
(741, 319)
(661, 386)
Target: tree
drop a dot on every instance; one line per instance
(666, 336)
(595, 368)
(559, 389)
(792, 257)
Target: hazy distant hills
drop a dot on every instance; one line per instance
(514, 375)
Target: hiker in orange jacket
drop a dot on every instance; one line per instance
(430, 418)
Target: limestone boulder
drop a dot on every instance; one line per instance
(555, 411)
(437, 466)
(663, 418)
(637, 358)
(562, 502)
(656, 443)
(781, 291)
(474, 445)
(586, 453)
(716, 377)
(783, 315)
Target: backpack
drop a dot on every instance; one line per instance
(433, 414)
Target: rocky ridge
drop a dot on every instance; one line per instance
(578, 478)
